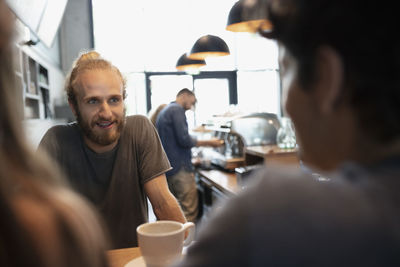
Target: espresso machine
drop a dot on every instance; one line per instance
(239, 132)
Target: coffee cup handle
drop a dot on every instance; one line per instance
(191, 227)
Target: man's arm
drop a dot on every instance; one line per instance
(214, 142)
(164, 204)
(181, 130)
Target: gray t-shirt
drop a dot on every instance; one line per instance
(120, 197)
(290, 219)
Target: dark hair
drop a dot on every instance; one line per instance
(14, 238)
(363, 33)
(185, 91)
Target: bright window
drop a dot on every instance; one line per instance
(150, 35)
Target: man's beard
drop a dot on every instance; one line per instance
(101, 139)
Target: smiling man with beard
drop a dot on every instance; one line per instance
(113, 160)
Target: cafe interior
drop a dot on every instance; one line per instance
(162, 47)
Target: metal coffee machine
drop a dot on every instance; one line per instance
(239, 132)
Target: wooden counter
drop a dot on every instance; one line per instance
(120, 257)
(215, 186)
(274, 153)
(224, 181)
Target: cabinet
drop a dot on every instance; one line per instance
(214, 188)
(33, 82)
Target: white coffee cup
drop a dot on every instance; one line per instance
(161, 242)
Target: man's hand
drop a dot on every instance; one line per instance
(214, 142)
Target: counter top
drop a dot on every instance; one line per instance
(120, 257)
(224, 181)
(274, 153)
(227, 182)
(266, 150)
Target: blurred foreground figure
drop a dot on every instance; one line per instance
(42, 222)
(340, 61)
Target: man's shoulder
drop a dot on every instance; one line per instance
(136, 118)
(135, 121)
(296, 182)
(61, 136)
(63, 130)
(286, 190)
(136, 125)
(173, 107)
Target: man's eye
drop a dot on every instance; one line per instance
(114, 100)
(92, 101)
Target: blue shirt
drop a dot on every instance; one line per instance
(174, 134)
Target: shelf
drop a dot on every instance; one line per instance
(31, 108)
(32, 96)
(43, 85)
(33, 81)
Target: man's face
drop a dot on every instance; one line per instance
(189, 101)
(300, 107)
(100, 111)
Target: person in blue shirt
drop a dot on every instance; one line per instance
(174, 134)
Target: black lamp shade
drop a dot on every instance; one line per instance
(185, 63)
(253, 23)
(209, 46)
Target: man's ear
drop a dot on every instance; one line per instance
(329, 79)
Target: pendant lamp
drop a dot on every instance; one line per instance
(209, 46)
(184, 63)
(244, 18)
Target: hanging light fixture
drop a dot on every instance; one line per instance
(184, 63)
(209, 46)
(243, 19)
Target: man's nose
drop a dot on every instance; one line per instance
(105, 110)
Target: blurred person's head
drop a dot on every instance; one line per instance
(12, 143)
(154, 114)
(96, 93)
(6, 24)
(39, 223)
(339, 63)
(186, 98)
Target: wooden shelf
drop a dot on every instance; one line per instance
(33, 81)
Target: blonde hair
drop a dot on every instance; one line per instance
(154, 114)
(90, 60)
